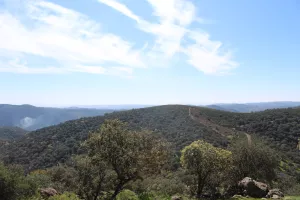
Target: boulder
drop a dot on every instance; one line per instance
(275, 194)
(253, 188)
(237, 196)
(176, 198)
(48, 192)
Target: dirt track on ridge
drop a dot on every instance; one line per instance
(224, 131)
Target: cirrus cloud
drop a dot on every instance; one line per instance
(77, 45)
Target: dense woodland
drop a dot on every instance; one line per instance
(164, 140)
(279, 127)
(11, 133)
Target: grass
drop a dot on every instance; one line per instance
(285, 198)
(292, 198)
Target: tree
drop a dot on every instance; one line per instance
(202, 160)
(65, 196)
(14, 185)
(92, 177)
(128, 154)
(127, 195)
(256, 160)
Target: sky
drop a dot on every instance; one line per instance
(106, 52)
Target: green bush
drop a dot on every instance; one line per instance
(14, 185)
(65, 196)
(127, 195)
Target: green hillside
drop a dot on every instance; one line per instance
(280, 127)
(11, 133)
(180, 125)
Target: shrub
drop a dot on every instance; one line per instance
(14, 185)
(65, 196)
(127, 195)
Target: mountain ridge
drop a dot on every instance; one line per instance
(49, 146)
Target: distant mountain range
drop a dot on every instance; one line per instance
(231, 107)
(254, 107)
(30, 118)
(114, 107)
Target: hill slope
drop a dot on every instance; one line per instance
(180, 125)
(45, 147)
(11, 133)
(31, 118)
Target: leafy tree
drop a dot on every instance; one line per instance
(63, 177)
(127, 195)
(256, 160)
(203, 160)
(14, 185)
(129, 154)
(65, 196)
(92, 177)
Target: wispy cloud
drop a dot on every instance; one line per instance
(121, 8)
(172, 27)
(207, 55)
(77, 44)
(66, 36)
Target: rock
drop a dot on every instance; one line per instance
(275, 194)
(48, 192)
(176, 198)
(253, 188)
(237, 196)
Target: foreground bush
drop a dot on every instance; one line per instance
(65, 196)
(204, 161)
(127, 195)
(14, 185)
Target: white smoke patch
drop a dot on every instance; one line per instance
(27, 122)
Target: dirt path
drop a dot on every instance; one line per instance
(249, 139)
(224, 131)
(208, 123)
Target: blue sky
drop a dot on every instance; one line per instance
(95, 52)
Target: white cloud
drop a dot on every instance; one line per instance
(174, 16)
(66, 36)
(207, 56)
(17, 66)
(173, 20)
(121, 8)
(180, 12)
(77, 43)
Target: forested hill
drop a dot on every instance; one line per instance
(180, 125)
(31, 118)
(280, 127)
(11, 133)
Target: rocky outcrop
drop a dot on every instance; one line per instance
(253, 188)
(275, 194)
(176, 198)
(48, 192)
